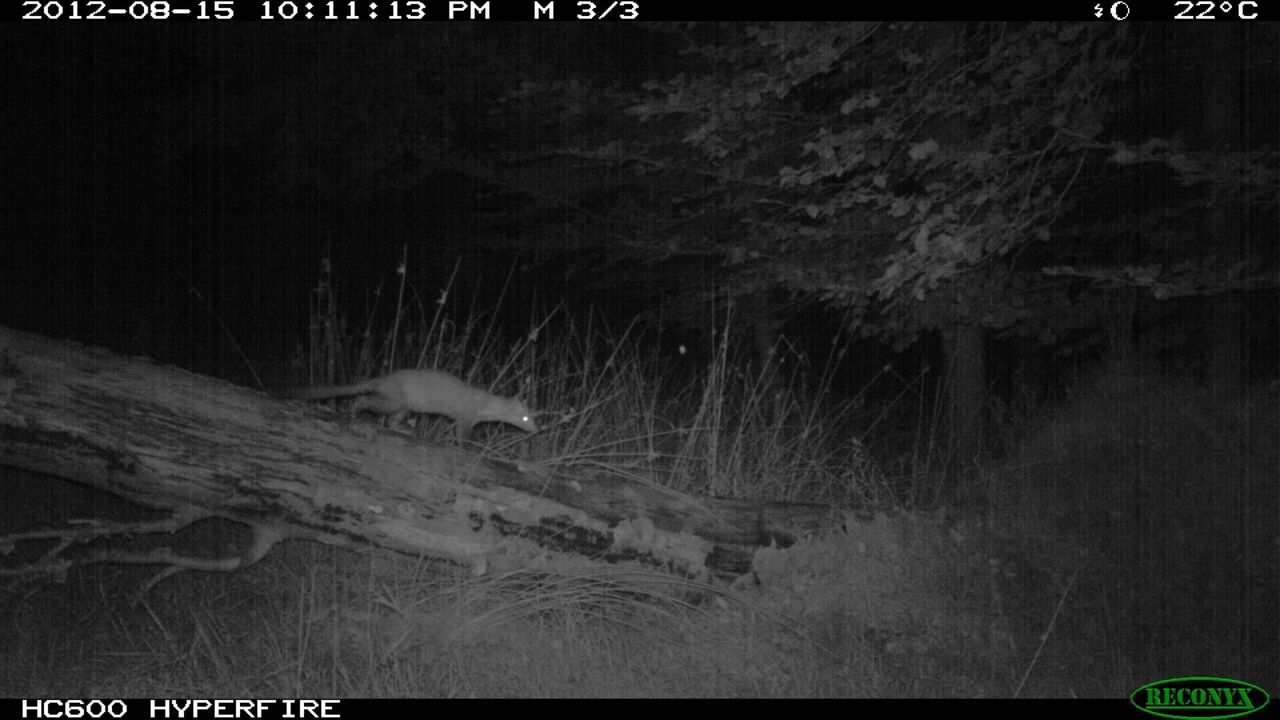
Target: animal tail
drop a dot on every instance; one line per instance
(323, 392)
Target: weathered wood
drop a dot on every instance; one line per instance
(200, 447)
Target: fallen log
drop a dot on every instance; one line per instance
(198, 448)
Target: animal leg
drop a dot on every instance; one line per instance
(463, 429)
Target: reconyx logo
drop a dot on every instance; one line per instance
(1199, 698)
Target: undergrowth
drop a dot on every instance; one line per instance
(1074, 565)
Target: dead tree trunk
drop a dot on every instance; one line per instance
(203, 448)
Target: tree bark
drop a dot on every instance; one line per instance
(201, 448)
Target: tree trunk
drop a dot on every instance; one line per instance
(760, 318)
(202, 448)
(967, 364)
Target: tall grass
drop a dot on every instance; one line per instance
(868, 611)
(609, 401)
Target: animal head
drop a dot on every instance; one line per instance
(518, 414)
(512, 411)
